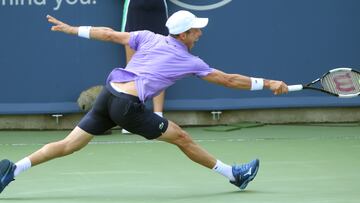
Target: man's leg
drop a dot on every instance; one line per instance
(175, 135)
(76, 140)
(239, 175)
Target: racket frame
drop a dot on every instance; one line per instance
(308, 85)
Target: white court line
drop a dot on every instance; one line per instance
(350, 137)
(126, 142)
(141, 142)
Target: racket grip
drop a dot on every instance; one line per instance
(292, 88)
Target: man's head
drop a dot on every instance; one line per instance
(186, 27)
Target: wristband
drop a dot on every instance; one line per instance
(84, 31)
(257, 84)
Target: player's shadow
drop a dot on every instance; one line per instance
(216, 194)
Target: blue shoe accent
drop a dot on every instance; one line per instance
(245, 173)
(7, 169)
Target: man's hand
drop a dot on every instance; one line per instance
(277, 87)
(60, 26)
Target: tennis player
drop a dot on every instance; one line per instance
(158, 62)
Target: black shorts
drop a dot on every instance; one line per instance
(145, 15)
(113, 108)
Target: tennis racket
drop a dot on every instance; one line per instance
(339, 82)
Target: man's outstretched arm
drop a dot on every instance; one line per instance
(244, 82)
(98, 33)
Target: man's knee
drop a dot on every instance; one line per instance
(77, 139)
(182, 139)
(177, 136)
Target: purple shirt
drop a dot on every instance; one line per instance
(157, 63)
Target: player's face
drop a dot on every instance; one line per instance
(192, 36)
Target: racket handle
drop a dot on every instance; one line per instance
(292, 88)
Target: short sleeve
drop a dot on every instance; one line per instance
(202, 68)
(138, 38)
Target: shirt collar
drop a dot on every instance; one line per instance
(176, 43)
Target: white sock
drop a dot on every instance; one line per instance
(224, 170)
(22, 165)
(159, 114)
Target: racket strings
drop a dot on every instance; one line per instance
(343, 82)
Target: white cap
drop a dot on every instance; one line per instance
(182, 21)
